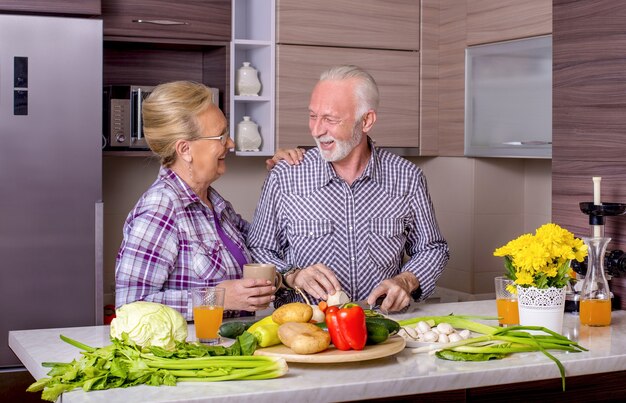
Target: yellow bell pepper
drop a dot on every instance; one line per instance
(265, 331)
(260, 322)
(267, 335)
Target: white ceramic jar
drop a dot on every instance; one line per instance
(247, 136)
(247, 81)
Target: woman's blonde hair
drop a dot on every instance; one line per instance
(170, 113)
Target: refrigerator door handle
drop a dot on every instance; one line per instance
(99, 215)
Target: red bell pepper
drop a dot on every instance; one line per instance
(346, 327)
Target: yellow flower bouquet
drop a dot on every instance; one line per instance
(542, 260)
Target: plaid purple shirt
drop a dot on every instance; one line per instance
(308, 215)
(171, 245)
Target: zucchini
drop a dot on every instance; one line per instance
(392, 326)
(233, 329)
(376, 332)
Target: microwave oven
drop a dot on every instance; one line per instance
(122, 118)
(122, 115)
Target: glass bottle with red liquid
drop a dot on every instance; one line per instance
(595, 297)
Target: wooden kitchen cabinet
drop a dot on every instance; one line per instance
(79, 7)
(151, 63)
(495, 21)
(466, 23)
(390, 24)
(397, 76)
(182, 19)
(189, 41)
(589, 94)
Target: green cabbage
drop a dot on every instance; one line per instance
(149, 324)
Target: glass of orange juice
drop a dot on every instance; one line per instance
(506, 302)
(208, 309)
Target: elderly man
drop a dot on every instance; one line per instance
(345, 216)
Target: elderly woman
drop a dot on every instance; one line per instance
(182, 233)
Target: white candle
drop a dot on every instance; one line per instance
(596, 189)
(596, 200)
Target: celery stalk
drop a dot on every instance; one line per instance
(124, 364)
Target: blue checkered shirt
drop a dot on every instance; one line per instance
(307, 215)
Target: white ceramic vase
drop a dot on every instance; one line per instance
(247, 81)
(247, 136)
(541, 307)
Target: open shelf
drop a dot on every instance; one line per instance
(253, 41)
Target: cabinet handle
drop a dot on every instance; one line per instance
(161, 22)
(527, 143)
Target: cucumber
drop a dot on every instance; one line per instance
(376, 332)
(233, 329)
(392, 326)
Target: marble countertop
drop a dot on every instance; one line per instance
(404, 373)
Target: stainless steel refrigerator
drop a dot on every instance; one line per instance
(50, 174)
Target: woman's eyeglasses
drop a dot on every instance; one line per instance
(223, 138)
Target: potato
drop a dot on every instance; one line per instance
(293, 312)
(303, 338)
(288, 331)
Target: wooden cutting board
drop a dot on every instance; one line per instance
(392, 346)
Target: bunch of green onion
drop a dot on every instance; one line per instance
(496, 342)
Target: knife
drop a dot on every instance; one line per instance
(376, 307)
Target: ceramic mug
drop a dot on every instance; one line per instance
(265, 271)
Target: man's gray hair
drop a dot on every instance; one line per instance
(366, 90)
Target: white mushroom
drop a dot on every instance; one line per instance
(465, 334)
(454, 337)
(430, 337)
(443, 338)
(445, 328)
(423, 326)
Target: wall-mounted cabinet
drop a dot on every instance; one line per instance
(494, 21)
(508, 104)
(150, 42)
(382, 37)
(182, 19)
(466, 23)
(78, 7)
(397, 76)
(253, 41)
(375, 24)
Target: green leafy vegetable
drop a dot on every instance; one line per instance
(458, 356)
(124, 363)
(149, 324)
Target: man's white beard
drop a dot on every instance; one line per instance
(342, 147)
